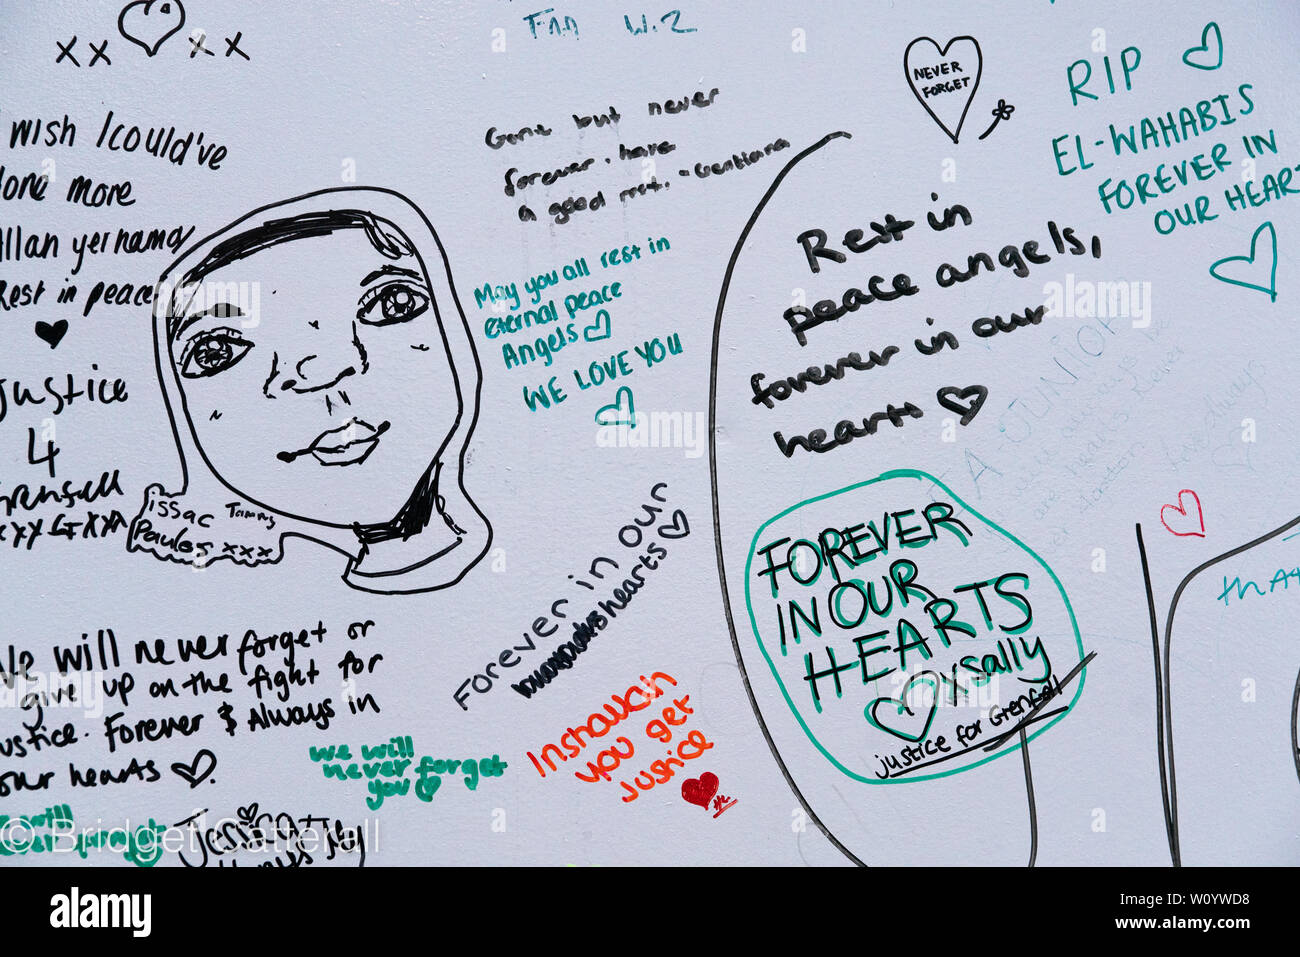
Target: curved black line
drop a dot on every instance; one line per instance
(713, 481)
(1174, 847)
(1160, 718)
(991, 128)
(1032, 715)
(1029, 791)
(1295, 732)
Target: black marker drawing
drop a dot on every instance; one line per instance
(150, 23)
(1163, 658)
(941, 78)
(198, 770)
(965, 402)
(962, 401)
(713, 479)
(318, 369)
(1000, 112)
(51, 333)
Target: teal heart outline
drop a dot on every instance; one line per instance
(617, 408)
(1205, 48)
(1271, 288)
(588, 330)
(870, 711)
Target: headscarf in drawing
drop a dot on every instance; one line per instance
(321, 383)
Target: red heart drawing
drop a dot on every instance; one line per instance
(701, 790)
(1182, 510)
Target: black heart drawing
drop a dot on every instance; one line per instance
(53, 334)
(148, 23)
(950, 398)
(968, 48)
(247, 814)
(901, 727)
(678, 529)
(190, 772)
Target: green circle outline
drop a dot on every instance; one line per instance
(922, 477)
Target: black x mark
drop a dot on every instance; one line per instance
(196, 44)
(66, 51)
(232, 46)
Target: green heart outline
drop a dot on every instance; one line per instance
(1271, 288)
(870, 711)
(1205, 48)
(617, 408)
(588, 330)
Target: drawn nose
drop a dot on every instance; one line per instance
(315, 372)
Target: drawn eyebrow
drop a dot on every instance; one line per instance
(221, 310)
(391, 271)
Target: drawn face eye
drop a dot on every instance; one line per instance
(212, 351)
(391, 303)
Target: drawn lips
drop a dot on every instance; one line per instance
(349, 444)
